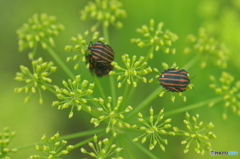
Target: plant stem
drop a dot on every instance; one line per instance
(86, 141)
(143, 149)
(193, 106)
(191, 62)
(81, 134)
(34, 50)
(148, 54)
(105, 34)
(119, 143)
(125, 95)
(60, 62)
(145, 102)
(100, 88)
(71, 136)
(112, 83)
(124, 143)
(50, 88)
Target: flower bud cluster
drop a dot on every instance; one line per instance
(52, 148)
(37, 80)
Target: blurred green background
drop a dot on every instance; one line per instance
(31, 120)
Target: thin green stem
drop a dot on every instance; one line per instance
(144, 150)
(51, 89)
(145, 102)
(105, 34)
(93, 112)
(34, 50)
(191, 62)
(86, 141)
(119, 143)
(131, 92)
(112, 82)
(81, 134)
(60, 62)
(71, 136)
(112, 85)
(126, 146)
(148, 54)
(193, 106)
(125, 94)
(107, 147)
(100, 88)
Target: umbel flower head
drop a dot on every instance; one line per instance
(154, 129)
(37, 80)
(157, 38)
(39, 29)
(81, 46)
(209, 49)
(229, 91)
(102, 149)
(134, 69)
(106, 11)
(53, 147)
(195, 134)
(75, 94)
(111, 113)
(5, 139)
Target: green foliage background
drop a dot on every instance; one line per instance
(31, 120)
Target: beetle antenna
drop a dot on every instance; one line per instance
(194, 90)
(193, 77)
(193, 87)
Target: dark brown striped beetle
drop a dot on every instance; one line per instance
(100, 58)
(100, 53)
(174, 80)
(99, 69)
